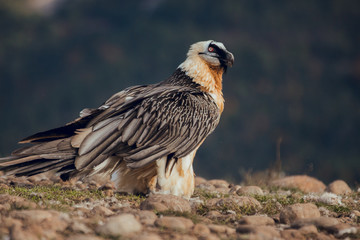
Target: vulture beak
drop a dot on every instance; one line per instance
(229, 60)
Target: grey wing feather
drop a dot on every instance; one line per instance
(153, 122)
(140, 124)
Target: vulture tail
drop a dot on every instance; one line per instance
(50, 150)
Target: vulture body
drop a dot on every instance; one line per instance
(145, 137)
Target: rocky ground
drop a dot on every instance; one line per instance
(295, 207)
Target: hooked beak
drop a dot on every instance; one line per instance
(229, 60)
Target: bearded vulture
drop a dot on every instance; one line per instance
(144, 137)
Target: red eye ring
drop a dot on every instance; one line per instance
(210, 49)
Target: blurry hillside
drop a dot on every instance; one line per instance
(296, 75)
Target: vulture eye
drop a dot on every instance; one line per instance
(211, 49)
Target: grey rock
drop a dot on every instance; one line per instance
(319, 222)
(174, 223)
(162, 202)
(120, 225)
(250, 190)
(304, 183)
(257, 220)
(297, 211)
(339, 187)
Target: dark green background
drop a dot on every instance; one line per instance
(296, 74)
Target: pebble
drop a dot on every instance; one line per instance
(122, 224)
(263, 232)
(304, 183)
(206, 186)
(160, 202)
(201, 230)
(147, 236)
(213, 214)
(112, 218)
(49, 219)
(257, 220)
(16, 202)
(308, 229)
(79, 227)
(219, 183)
(319, 222)
(102, 211)
(199, 180)
(291, 234)
(221, 229)
(83, 237)
(342, 229)
(299, 210)
(250, 190)
(174, 223)
(339, 187)
(147, 217)
(234, 200)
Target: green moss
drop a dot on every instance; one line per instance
(206, 195)
(53, 196)
(334, 208)
(53, 193)
(272, 203)
(135, 199)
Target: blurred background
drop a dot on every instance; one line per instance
(292, 96)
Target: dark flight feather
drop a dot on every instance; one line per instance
(140, 124)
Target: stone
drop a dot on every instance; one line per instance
(213, 214)
(210, 237)
(219, 183)
(195, 202)
(20, 182)
(83, 237)
(160, 202)
(234, 189)
(234, 200)
(341, 229)
(147, 236)
(257, 220)
(261, 232)
(299, 210)
(339, 187)
(222, 190)
(16, 202)
(44, 223)
(147, 217)
(199, 180)
(102, 211)
(79, 227)
(250, 190)
(308, 229)
(3, 186)
(319, 222)
(122, 224)
(304, 183)
(221, 229)
(48, 219)
(181, 236)
(174, 223)
(18, 233)
(292, 234)
(355, 215)
(206, 186)
(201, 230)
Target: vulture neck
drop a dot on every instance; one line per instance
(208, 77)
